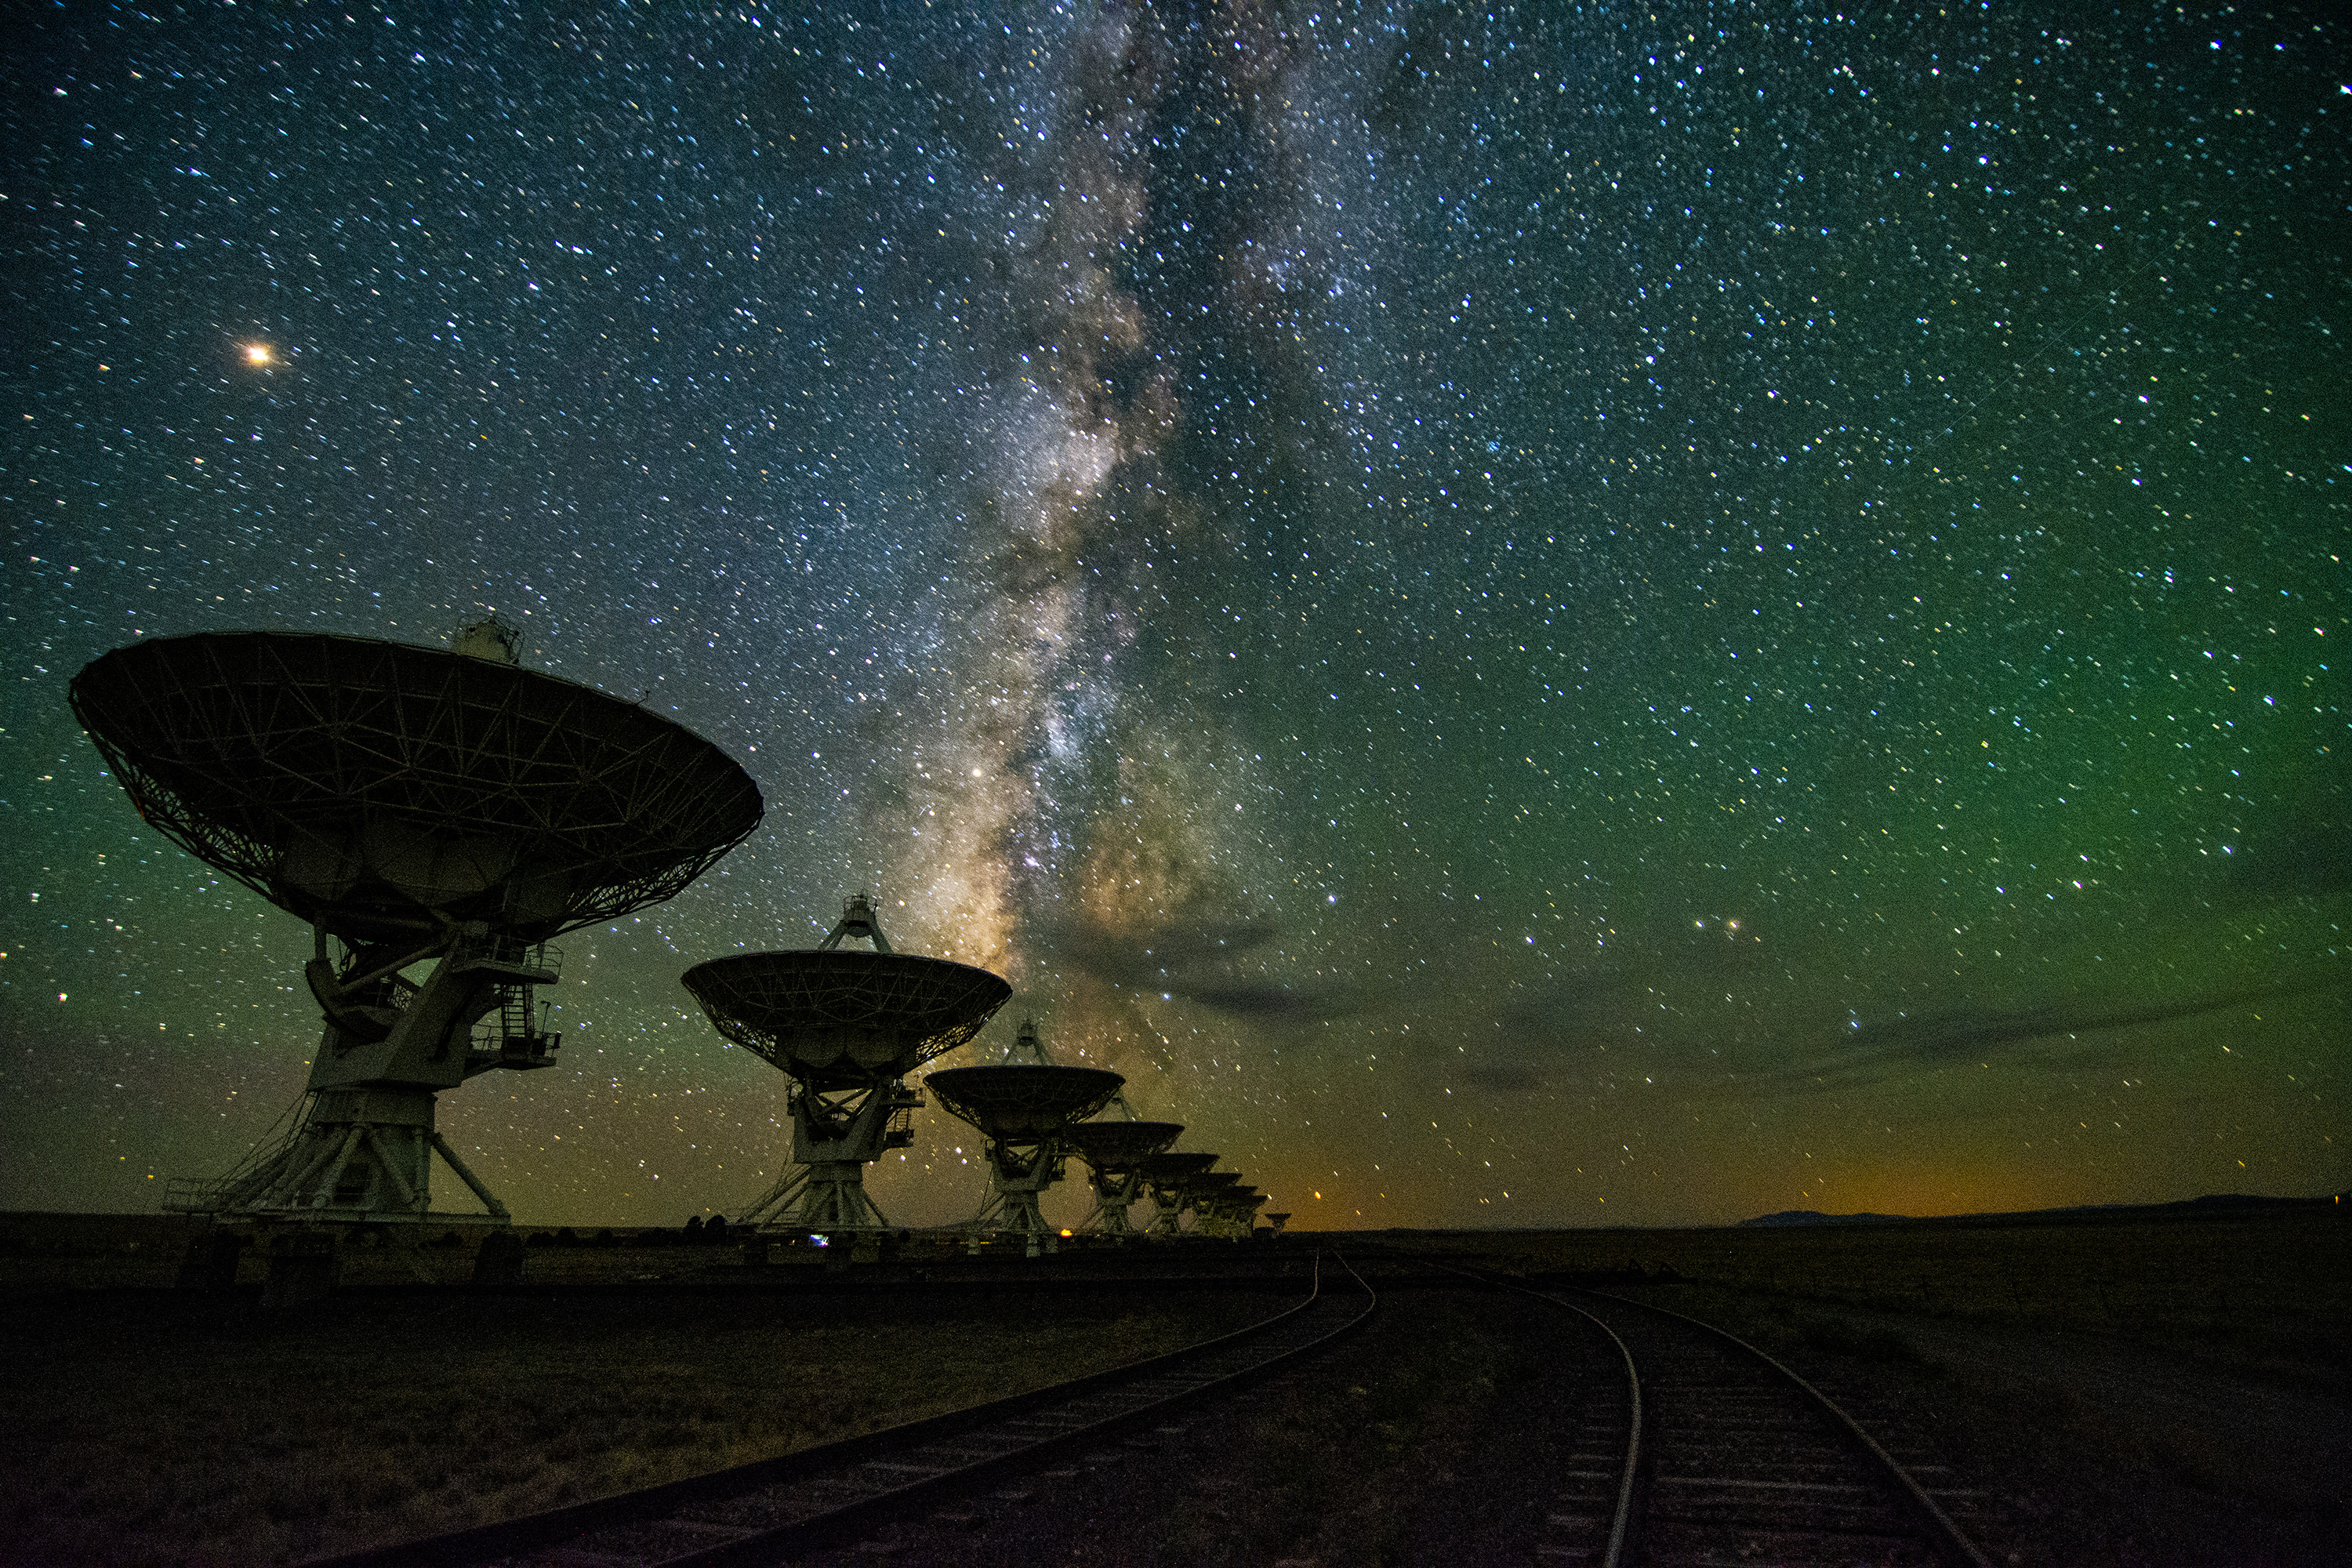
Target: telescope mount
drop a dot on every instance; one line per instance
(1022, 1106)
(846, 1026)
(414, 806)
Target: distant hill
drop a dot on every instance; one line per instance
(2212, 1205)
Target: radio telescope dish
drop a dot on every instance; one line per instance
(415, 806)
(846, 1026)
(1120, 1145)
(1229, 1211)
(1115, 1152)
(1025, 1104)
(1176, 1166)
(1210, 1196)
(1229, 1214)
(842, 1016)
(380, 791)
(1021, 1109)
(1164, 1179)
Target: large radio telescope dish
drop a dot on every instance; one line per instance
(1023, 1104)
(840, 1016)
(846, 1026)
(378, 790)
(1115, 1152)
(1230, 1212)
(1170, 1169)
(1022, 1108)
(1120, 1145)
(418, 807)
(1170, 1177)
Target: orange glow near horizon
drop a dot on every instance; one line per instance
(1924, 1190)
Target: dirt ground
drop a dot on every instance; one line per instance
(1441, 1434)
(1434, 1436)
(2157, 1394)
(2104, 1451)
(150, 1427)
(2151, 1395)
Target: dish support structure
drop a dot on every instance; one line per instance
(363, 1146)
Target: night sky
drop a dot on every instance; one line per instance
(1563, 614)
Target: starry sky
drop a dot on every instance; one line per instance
(1544, 615)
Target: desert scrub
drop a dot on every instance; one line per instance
(156, 1429)
(1339, 1462)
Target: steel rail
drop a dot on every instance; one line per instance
(1945, 1537)
(882, 1473)
(1629, 1472)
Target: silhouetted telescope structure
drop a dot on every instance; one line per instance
(1231, 1213)
(1164, 1179)
(414, 806)
(847, 1027)
(1201, 1194)
(1022, 1110)
(1115, 1152)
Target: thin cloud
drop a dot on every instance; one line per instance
(1876, 1050)
(1195, 961)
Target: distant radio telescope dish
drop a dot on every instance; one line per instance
(843, 1017)
(1120, 1145)
(415, 806)
(1022, 1108)
(1229, 1213)
(1164, 1179)
(1115, 1152)
(846, 1026)
(1205, 1195)
(1025, 1104)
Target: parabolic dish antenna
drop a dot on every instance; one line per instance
(1020, 1103)
(1229, 1214)
(415, 805)
(1164, 1178)
(843, 1016)
(1115, 1152)
(1120, 1145)
(846, 1026)
(1207, 1194)
(1173, 1167)
(381, 791)
(1021, 1109)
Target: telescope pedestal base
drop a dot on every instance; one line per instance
(1114, 1192)
(1011, 1208)
(836, 1134)
(360, 1154)
(821, 1197)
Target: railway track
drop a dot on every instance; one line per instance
(824, 1496)
(1713, 1452)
